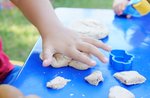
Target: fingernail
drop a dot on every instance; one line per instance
(105, 60)
(93, 62)
(45, 63)
(109, 48)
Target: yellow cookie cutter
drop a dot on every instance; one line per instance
(143, 7)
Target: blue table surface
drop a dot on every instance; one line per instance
(132, 35)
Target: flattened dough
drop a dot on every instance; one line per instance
(94, 78)
(130, 77)
(57, 83)
(90, 27)
(59, 60)
(119, 92)
(79, 65)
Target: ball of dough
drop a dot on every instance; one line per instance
(57, 83)
(94, 78)
(91, 28)
(130, 77)
(58, 60)
(119, 92)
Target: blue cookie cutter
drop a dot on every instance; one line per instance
(120, 60)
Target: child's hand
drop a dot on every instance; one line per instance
(119, 6)
(57, 38)
(71, 44)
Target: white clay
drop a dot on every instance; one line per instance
(60, 60)
(94, 78)
(90, 27)
(78, 65)
(57, 83)
(130, 77)
(120, 92)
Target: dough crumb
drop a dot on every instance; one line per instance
(57, 83)
(94, 78)
(130, 77)
(120, 92)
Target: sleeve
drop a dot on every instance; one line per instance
(5, 65)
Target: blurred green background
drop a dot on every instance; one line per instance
(19, 36)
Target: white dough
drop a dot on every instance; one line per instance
(57, 83)
(94, 78)
(130, 77)
(60, 60)
(90, 27)
(119, 92)
(78, 65)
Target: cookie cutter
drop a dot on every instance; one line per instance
(137, 8)
(121, 60)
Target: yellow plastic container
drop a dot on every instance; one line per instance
(142, 7)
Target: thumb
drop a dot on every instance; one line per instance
(47, 55)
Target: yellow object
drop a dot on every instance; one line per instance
(19, 63)
(142, 7)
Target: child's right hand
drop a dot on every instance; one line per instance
(69, 43)
(55, 37)
(119, 6)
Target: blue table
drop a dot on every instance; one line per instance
(132, 35)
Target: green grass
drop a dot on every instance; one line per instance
(19, 36)
(17, 33)
(83, 3)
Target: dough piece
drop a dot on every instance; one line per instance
(78, 65)
(57, 83)
(130, 77)
(119, 92)
(91, 28)
(59, 60)
(94, 78)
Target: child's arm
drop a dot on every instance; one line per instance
(56, 37)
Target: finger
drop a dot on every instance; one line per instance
(128, 16)
(115, 9)
(78, 56)
(47, 56)
(120, 9)
(90, 49)
(97, 43)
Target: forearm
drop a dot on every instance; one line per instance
(40, 13)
